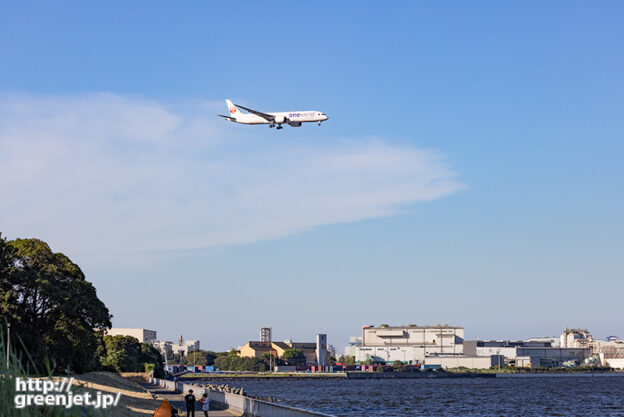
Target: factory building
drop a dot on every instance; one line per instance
(526, 353)
(314, 352)
(409, 344)
(610, 352)
(354, 342)
(182, 348)
(470, 362)
(445, 346)
(142, 335)
(575, 338)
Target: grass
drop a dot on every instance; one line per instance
(16, 369)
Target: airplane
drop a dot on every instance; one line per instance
(254, 117)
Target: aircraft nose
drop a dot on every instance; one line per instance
(325, 117)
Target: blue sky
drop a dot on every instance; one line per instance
(470, 172)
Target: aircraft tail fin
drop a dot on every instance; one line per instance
(232, 109)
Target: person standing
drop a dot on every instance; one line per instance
(190, 404)
(205, 404)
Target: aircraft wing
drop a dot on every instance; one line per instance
(268, 117)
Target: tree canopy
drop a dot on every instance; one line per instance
(294, 357)
(200, 358)
(127, 354)
(236, 363)
(52, 308)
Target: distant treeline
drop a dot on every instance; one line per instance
(230, 361)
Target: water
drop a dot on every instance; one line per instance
(534, 396)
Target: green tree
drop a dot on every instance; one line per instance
(126, 354)
(210, 356)
(232, 362)
(150, 355)
(200, 358)
(398, 366)
(269, 359)
(195, 358)
(51, 306)
(294, 357)
(222, 362)
(122, 354)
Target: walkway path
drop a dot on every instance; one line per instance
(177, 400)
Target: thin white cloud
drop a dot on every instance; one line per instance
(103, 174)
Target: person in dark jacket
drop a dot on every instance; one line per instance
(190, 404)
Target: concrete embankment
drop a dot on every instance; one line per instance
(416, 375)
(239, 404)
(561, 375)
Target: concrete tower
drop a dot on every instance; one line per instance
(321, 349)
(265, 334)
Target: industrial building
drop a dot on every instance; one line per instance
(182, 348)
(445, 346)
(142, 335)
(470, 362)
(409, 344)
(610, 352)
(575, 338)
(526, 353)
(314, 352)
(354, 342)
(255, 349)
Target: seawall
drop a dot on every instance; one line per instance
(416, 375)
(239, 404)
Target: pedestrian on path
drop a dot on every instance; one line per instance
(205, 404)
(190, 404)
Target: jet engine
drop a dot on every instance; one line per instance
(295, 124)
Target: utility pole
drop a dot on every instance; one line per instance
(8, 344)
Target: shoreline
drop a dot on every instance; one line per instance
(390, 375)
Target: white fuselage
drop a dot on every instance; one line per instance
(286, 117)
(255, 117)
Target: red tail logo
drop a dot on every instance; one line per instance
(232, 109)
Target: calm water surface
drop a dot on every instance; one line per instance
(537, 396)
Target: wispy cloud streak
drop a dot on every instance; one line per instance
(103, 174)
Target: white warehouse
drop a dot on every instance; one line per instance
(409, 344)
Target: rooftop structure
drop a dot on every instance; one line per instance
(354, 341)
(554, 340)
(575, 338)
(265, 334)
